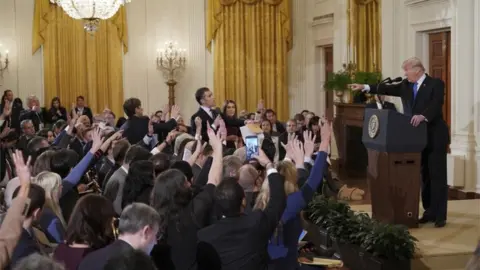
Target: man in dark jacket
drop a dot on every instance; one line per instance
(139, 127)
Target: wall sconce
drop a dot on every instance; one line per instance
(171, 61)
(3, 61)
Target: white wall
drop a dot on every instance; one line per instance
(150, 24)
(24, 75)
(405, 29)
(316, 23)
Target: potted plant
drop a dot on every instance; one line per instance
(338, 82)
(388, 247)
(365, 77)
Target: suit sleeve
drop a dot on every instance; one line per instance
(276, 204)
(233, 122)
(165, 127)
(434, 108)
(385, 89)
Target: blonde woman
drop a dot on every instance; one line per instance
(51, 222)
(283, 245)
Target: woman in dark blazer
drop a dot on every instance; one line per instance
(56, 112)
(233, 132)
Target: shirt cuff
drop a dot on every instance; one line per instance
(147, 139)
(287, 159)
(366, 88)
(270, 171)
(426, 120)
(155, 151)
(308, 160)
(1, 122)
(198, 137)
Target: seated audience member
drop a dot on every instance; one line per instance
(51, 221)
(114, 187)
(27, 244)
(138, 229)
(58, 127)
(182, 213)
(56, 112)
(34, 112)
(38, 262)
(238, 241)
(139, 183)
(130, 260)
(89, 229)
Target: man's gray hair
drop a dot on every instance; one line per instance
(38, 262)
(413, 62)
(136, 216)
(24, 122)
(31, 97)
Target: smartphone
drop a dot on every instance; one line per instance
(251, 144)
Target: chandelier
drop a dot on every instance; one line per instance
(92, 11)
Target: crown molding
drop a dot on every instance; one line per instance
(324, 19)
(409, 3)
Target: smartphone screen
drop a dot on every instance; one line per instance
(251, 144)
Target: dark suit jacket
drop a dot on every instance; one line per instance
(429, 103)
(386, 105)
(52, 116)
(25, 246)
(205, 120)
(280, 127)
(137, 127)
(98, 259)
(37, 118)
(240, 242)
(86, 111)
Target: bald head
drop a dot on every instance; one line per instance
(247, 177)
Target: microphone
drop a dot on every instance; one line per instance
(398, 79)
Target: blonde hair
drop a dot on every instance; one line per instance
(51, 183)
(288, 170)
(414, 62)
(42, 163)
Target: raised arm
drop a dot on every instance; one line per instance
(78, 171)
(202, 203)
(276, 203)
(394, 89)
(297, 201)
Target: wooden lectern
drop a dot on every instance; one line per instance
(394, 149)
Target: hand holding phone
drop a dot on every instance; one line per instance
(251, 146)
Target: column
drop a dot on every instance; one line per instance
(475, 89)
(461, 162)
(297, 89)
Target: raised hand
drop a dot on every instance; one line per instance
(214, 139)
(309, 143)
(216, 123)
(175, 111)
(171, 136)
(326, 131)
(298, 154)
(260, 106)
(198, 122)
(262, 158)
(97, 140)
(23, 172)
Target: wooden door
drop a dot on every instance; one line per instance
(328, 56)
(440, 67)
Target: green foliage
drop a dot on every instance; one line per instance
(382, 240)
(338, 81)
(364, 77)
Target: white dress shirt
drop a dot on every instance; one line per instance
(208, 111)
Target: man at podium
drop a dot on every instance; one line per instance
(423, 97)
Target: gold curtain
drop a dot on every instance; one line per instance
(365, 33)
(76, 63)
(251, 42)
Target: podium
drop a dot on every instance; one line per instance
(394, 149)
